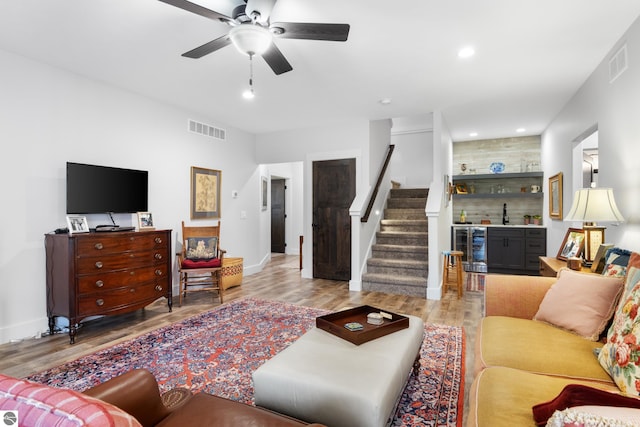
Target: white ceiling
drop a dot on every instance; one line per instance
(531, 57)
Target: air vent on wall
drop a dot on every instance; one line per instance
(618, 63)
(207, 130)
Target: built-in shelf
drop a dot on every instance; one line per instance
(499, 196)
(498, 176)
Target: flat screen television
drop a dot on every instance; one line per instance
(102, 189)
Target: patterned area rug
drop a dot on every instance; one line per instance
(475, 282)
(217, 351)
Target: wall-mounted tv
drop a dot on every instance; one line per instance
(101, 189)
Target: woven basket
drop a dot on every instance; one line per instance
(232, 272)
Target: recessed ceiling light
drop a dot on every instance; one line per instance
(385, 101)
(466, 52)
(473, 134)
(520, 130)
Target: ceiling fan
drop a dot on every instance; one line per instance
(252, 33)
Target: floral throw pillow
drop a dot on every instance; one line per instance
(620, 356)
(201, 248)
(615, 262)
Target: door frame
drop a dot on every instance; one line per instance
(307, 217)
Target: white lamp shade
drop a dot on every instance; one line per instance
(594, 205)
(250, 39)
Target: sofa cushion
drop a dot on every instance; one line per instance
(503, 397)
(621, 353)
(208, 410)
(41, 405)
(536, 347)
(581, 303)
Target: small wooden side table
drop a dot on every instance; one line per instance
(549, 266)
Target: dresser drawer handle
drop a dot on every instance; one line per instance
(158, 240)
(98, 246)
(132, 290)
(158, 256)
(100, 302)
(158, 288)
(98, 264)
(99, 284)
(158, 272)
(132, 273)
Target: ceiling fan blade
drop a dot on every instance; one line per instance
(197, 9)
(209, 47)
(311, 31)
(276, 60)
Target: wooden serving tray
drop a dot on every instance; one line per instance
(334, 324)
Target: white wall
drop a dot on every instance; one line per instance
(293, 174)
(48, 117)
(438, 209)
(412, 161)
(613, 108)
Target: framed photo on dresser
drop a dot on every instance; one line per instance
(77, 224)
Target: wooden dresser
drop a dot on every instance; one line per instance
(104, 273)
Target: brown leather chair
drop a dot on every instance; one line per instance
(136, 392)
(200, 261)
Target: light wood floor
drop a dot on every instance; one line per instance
(280, 280)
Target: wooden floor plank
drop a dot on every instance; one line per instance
(280, 280)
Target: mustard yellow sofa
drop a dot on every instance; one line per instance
(520, 362)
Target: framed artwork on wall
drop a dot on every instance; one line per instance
(77, 224)
(205, 193)
(555, 196)
(572, 244)
(264, 183)
(145, 221)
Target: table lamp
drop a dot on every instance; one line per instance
(591, 205)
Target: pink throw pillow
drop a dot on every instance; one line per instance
(39, 405)
(580, 302)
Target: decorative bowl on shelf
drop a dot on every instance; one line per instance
(496, 167)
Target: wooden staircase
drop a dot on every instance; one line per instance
(399, 262)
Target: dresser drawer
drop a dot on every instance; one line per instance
(90, 245)
(93, 283)
(125, 260)
(121, 298)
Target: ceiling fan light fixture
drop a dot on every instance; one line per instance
(248, 94)
(250, 39)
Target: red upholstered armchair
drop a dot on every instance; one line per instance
(200, 261)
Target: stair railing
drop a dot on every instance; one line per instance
(374, 192)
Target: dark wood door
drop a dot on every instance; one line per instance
(334, 187)
(278, 215)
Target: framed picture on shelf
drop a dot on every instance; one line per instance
(598, 260)
(145, 221)
(461, 188)
(77, 224)
(205, 193)
(555, 196)
(572, 245)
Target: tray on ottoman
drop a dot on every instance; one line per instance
(334, 323)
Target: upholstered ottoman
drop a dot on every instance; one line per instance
(325, 379)
(232, 269)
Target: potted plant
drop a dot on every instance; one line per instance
(537, 219)
(527, 219)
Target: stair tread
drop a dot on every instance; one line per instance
(386, 278)
(399, 262)
(399, 248)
